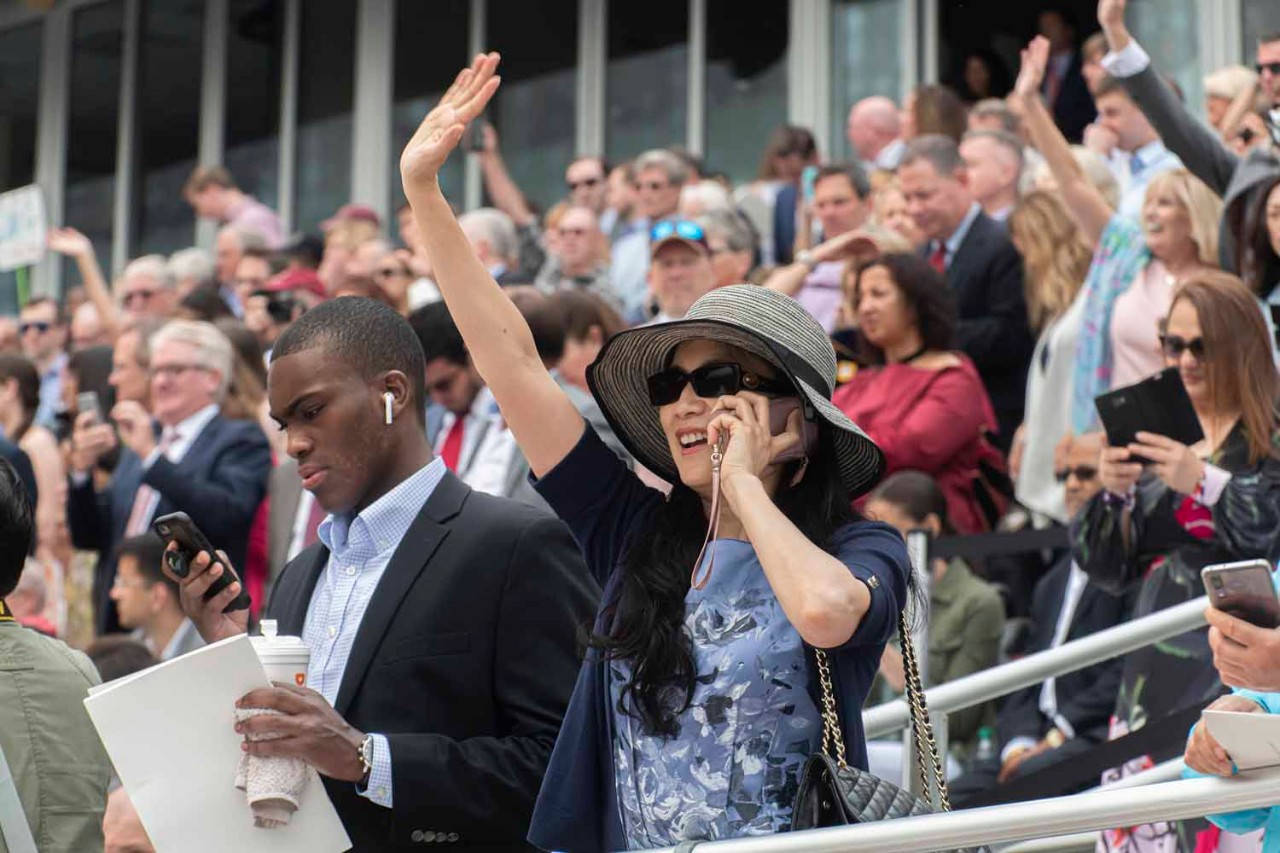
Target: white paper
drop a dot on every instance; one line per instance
(1252, 740)
(170, 734)
(22, 228)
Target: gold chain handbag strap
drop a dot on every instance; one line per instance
(921, 726)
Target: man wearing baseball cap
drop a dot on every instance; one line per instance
(680, 267)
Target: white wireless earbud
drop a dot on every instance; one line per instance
(389, 398)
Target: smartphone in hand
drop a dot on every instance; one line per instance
(1244, 590)
(178, 527)
(87, 401)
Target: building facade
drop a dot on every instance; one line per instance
(109, 104)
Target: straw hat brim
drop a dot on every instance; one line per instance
(618, 380)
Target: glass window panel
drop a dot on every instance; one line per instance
(421, 76)
(1261, 18)
(255, 38)
(97, 45)
(865, 59)
(1168, 29)
(647, 98)
(19, 97)
(534, 111)
(171, 50)
(746, 83)
(326, 91)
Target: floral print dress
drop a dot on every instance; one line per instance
(733, 768)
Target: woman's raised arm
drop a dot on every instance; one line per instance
(539, 413)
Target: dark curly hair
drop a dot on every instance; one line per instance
(925, 295)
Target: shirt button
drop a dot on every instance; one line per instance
(351, 570)
(333, 632)
(382, 793)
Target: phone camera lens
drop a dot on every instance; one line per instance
(1217, 582)
(164, 529)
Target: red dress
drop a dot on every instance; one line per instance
(926, 420)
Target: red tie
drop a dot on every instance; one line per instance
(938, 260)
(452, 448)
(312, 533)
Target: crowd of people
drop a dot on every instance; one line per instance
(436, 449)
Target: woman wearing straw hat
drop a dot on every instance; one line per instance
(695, 709)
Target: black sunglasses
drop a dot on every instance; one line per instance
(1084, 473)
(39, 325)
(586, 182)
(1273, 67)
(1175, 346)
(712, 380)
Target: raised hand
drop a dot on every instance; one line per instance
(444, 126)
(1111, 13)
(1035, 59)
(69, 242)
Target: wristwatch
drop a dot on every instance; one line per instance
(365, 753)
(1055, 738)
(805, 256)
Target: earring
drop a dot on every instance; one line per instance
(389, 398)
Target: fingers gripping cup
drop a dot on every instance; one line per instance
(284, 658)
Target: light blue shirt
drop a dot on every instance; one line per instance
(1145, 165)
(629, 268)
(51, 393)
(953, 242)
(359, 550)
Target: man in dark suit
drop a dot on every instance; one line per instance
(981, 267)
(210, 467)
(442, 622)
(22, 464)
(1065, 91)
(1068, 715)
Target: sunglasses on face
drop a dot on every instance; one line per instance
(1083, 473)
(39, 325)
(679, 227)
(711, 381)
(586, 182)
(1273, 67)
(1174, 346)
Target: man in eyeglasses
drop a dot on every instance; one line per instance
(147, 290)
(44, 340)
(579, 259)
(212, 468)
(660, 175)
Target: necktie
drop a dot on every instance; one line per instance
(938, 258)
(140, 515)
(312, 532)
(1052, 85)
(452, 447)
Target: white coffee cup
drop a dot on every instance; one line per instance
(284, 658)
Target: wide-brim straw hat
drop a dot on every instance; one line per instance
(755, 319)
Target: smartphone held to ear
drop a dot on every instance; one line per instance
(178, 527)
(1244, 590)
(780, 410)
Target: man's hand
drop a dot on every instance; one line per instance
(1245, 655)
(1100, 140)
(309, 729)
(1111, 18)
(443, 127)
(212, 624)
(1015, 759)
(90, 441)
(135, 427)
(1035, 60)
(69, 242)
(1206, 755)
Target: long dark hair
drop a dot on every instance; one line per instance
(24, 373)
(925, 295)
(1258, 263)
(648, 619)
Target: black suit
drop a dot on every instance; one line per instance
(22, 467)
(1085, 698)
(465, 660)
(1074, 108)
(985, 275)
(219, 483)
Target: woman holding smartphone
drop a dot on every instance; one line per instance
(1159, 523)
(695, 709)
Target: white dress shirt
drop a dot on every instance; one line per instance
(186, 430)
(488, 447)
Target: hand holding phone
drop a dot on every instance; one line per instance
(1244, 590)
(199, 569)
(87, 402)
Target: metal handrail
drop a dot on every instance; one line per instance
(1094, 810)
(1002, 680)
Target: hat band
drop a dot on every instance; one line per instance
(800, 368)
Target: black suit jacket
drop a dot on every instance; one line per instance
(985, 275)
(22, 467)
(465, 660)
(219, 483)
(1086, 698)
(1074, 109)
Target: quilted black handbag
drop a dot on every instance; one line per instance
(832, 793)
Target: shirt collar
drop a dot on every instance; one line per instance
(188, 428)
(389, 516)
(957, 237)
(1147, 155)
(56, 366)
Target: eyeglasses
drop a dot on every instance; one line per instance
(654, 186)
(390, 272)
(174, 370)
(140, 295)
(1273, 67)
(679, 228)
(1175, 346)
(1083, 473)
(572, 232)
(712, 380)
(39, 325)
(586, 182)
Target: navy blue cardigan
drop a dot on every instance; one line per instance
(604, 504)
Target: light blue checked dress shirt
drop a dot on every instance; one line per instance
(359, 550)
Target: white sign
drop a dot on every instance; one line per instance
(22, 228)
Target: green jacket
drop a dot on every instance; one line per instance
(966, 622)
(57, 761)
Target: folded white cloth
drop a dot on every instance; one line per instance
(273, 786)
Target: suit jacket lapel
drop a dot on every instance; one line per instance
(410, 558)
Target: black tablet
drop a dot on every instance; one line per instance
(1157, 404)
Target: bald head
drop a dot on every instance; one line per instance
(874, 122)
